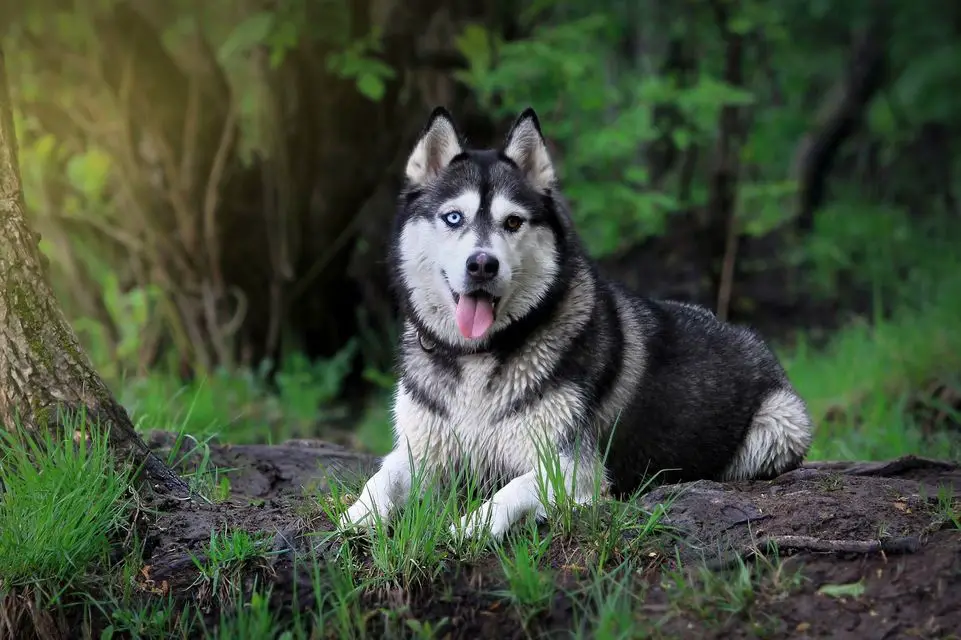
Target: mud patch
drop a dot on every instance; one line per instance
(835, 549)
(874, 555)
(887, 505)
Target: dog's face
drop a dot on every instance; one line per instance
(478, 240)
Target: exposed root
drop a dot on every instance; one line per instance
(771, 544)
(887, 468)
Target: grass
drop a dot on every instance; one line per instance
(949, 507)
(160, 617)
(64, 505)
(869, 370)
(609, 610)
(860, 388)
(230, 556)
(241, 405)
(529, 586)
(252, 621)
(416, 545)
(863, 387)
(717, 597)
(62, 502)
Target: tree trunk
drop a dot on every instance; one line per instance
(843, 111)
(719, 227)
(43, 369)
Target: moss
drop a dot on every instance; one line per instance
(41, 417)
(53, 347)
(25, 307)
(39, 321)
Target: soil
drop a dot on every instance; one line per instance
(830, 523)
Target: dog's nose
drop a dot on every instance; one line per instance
(482, 266)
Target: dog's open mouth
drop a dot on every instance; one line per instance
(475, 313)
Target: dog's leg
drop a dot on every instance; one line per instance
(522, 495)
(386, 490)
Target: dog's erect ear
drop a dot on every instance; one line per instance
(526, 147)
(437, 145)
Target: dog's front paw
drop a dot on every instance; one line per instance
(364, 513)
(490, 518)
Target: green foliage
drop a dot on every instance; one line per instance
(615, 101)
(254, 621)
(602, 112)
(156, 620)
(717, 597)
(228, 555)
(604, 177)
(415, 546)
(61, 500)
(949, 507)
(608, 610)
(634, 133)
(860, 386)
(288, 25)
(242, 405)
(131, 313)
(358, 62)
(337, 592)
(262, 27)
(283, 29)
(621, 87)
(305, 386)
(530, 587)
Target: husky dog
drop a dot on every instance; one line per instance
(512, 338)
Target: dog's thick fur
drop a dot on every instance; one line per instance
(569, 357)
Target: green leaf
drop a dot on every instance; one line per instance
(45, 147)
(89, 172)
(371, 86)
(740, 24)
(474, 43)
(284, 37)
(246, 35)
(852, 590)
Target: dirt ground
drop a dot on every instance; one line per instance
(832, 524)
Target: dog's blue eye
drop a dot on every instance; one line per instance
(453, 219)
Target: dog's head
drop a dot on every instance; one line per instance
(480, 236)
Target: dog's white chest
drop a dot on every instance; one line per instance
(477, 397)
(480, 423)
(481, 419)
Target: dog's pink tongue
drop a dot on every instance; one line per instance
(474, 316)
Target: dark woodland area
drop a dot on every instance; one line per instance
(197, 336)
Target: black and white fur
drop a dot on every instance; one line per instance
(570, 357)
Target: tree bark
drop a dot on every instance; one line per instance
(44, 373)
